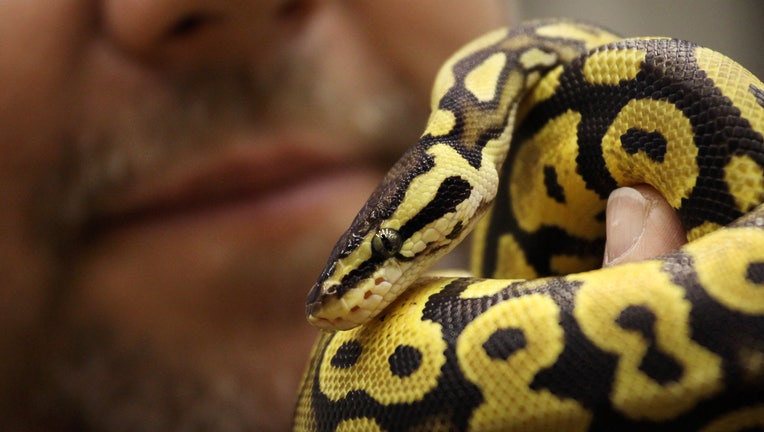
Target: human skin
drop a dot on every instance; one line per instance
(173, 175)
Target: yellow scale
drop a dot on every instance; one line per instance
(675, 342)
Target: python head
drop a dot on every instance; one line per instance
(419, 212)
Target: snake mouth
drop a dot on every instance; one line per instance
(354, 308)
(331, 308)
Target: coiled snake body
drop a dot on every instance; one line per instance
(673, 343)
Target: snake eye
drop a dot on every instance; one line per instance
(386, 243)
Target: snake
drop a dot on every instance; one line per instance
(531, 128)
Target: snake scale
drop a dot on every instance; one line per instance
(537, 339)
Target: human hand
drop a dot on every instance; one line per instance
(640, 224)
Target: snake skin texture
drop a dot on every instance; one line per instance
(531, 129)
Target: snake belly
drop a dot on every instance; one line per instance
(537, 340)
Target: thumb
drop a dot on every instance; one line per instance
(640, 224)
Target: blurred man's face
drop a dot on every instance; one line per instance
(174, 174)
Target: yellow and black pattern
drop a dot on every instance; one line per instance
(661, 120)
(673, 343)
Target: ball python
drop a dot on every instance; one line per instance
(537, 339)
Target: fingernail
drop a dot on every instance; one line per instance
(626, 212)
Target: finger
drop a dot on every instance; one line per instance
(640, 224)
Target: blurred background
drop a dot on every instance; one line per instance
(732, 27)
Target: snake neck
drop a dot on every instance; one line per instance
(435, 194)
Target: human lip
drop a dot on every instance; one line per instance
(264, 179)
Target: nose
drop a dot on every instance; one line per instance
(193, 31)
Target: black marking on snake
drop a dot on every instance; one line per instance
(456, 138)
(347, 355)
(488, 135)
(720, 132)
(458, 92)
(454, 397)
(386, 198)
(659, 366)
(404, 361)
(757, 93)
(539, 246)
(363, 271)
(463, 67)
(722, 331)
(755, 273)
(381, 204)
(504, 342)
(566, 378)
(455, 231)
(719, 129)
(582, 371)
(451, 399)
(451, 192)
(652, 144)
(714, 326)
(553, 188)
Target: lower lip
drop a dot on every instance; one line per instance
(325, 190)
(315, 197)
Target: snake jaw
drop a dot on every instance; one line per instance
(343, 313)
(357, 305)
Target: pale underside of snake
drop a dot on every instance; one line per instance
(672, 343)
